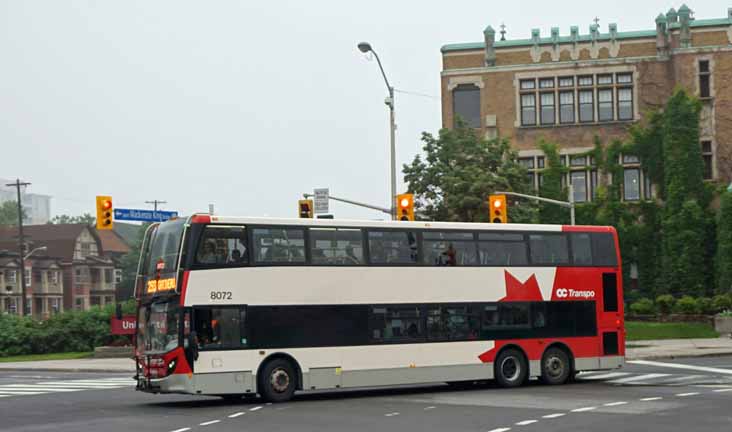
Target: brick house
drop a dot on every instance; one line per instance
(570, 88)
(88, 274)
(45, 289)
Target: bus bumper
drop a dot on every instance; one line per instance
(176, 383)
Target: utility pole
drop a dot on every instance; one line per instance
(21, 252)
(155, 208)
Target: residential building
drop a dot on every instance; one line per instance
(37, 207)
(88, 274)
(568, 89)
(44, 289)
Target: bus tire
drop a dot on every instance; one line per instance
(555, 366)
(510, 368)
(277, 381)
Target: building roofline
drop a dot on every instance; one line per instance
(469, 46)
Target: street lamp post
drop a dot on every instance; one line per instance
(365, 47)
(23, 283)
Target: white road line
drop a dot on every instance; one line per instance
(209, 422)
(583, 409)
(611, 404)
(526, 422)
(20, 387)
(181, 430)
(722, 390)
(551, 416)
(429, 408)
(687, 394)
(391, 414)
(235, 415)
(643, 377)
(648, 399)
(682, 378)
(255, 408)
(500, 430)
(19, 393)
(682, 366)
(2, 395)
(607, 375)
(79, 386)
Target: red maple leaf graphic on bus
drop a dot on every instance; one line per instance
(518, 291)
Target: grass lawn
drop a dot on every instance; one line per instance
(637, 330)
(55, 356)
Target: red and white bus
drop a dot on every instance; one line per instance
(231, 306)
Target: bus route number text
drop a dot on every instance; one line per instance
(220, 295)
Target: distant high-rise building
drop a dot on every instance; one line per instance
(37, 207)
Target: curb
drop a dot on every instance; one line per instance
(674, 356)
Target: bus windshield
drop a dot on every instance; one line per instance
(164, 249)
(158, 325)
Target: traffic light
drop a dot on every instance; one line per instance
(305, 208)
(105, 211)
(405, 207)
(498, 209)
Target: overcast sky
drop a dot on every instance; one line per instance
(244, 104)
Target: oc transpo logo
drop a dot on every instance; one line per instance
(564, 293)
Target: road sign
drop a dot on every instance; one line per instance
(143, 215)
(321, 200)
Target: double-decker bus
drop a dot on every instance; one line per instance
(231, 306)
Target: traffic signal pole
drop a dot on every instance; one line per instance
(569, 204)
(356, 203)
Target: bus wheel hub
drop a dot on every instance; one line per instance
(279, 380)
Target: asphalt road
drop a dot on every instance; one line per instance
(674, 395)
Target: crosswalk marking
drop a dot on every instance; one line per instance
(39, 388)
(606, 376)
(637, 378)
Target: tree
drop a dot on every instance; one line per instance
(86, 218)
(724, 244)
(128, 263)
(460, 168)
(9, 213)
(551, 186)
(684, 225)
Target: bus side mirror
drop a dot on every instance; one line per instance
(118, 311)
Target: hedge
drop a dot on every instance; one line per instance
(65, 332)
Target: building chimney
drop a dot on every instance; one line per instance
(671, 16)
(489, 36)
(661, 35)
(684, 15)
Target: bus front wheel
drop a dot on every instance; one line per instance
(277, 381)
(510, 368)
(555, 366)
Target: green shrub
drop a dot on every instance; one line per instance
(66, 332)
(705, 305)
(665, 303)
(687, 305)
(643, 306)
(721, 302)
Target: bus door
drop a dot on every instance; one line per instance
(610, 319)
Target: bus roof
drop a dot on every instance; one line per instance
(229, 220)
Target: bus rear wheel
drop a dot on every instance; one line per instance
(277, 381)
(555, 367)
(510, 368)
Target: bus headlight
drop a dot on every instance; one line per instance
(171, 366)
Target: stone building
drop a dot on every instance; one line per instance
(570, 88)
(89, 276)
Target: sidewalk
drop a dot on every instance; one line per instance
(635, 350)
(78, 365)
(670, 348)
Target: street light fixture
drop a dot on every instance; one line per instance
(365, 47)
(38, 249)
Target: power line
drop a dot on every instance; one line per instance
(413, 93)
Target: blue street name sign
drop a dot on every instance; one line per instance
(143, 215)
